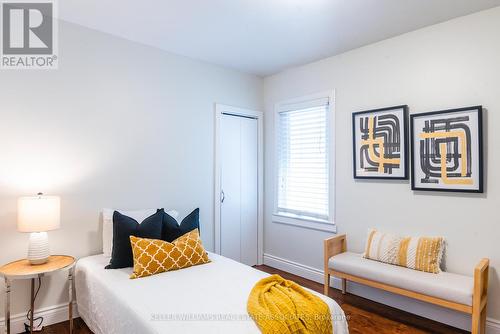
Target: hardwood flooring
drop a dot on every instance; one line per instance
(365, 316)
(63, 328)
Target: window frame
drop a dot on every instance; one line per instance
(303, 221)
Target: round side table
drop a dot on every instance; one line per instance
(22, 269)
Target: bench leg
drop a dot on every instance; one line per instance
(475, 322)
(479, 318)
(479, 321)
(326, 283)
(344, 283)
(482, 321)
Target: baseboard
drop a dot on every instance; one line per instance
(314, 274)
(51, 315)
(492, 326)
(295, 268)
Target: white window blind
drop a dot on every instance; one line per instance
(303, 160)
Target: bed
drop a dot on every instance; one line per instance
(209, 298)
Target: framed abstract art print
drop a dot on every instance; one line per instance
(447, 150)
(380, 143)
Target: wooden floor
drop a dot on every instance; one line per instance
(365, 316)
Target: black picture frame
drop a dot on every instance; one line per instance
(473, 109)
(404, 143)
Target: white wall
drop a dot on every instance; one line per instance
(454, 64)
(117, 125)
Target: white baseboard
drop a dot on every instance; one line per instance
(294, 268)
(314, 274)
(51, 315)
(492, 326)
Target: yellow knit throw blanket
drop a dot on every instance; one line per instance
(279, 306)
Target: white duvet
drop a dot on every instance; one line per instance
(209, 298)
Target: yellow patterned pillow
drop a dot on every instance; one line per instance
(153, 256)
(422, 253)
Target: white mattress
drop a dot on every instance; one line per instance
(212, 297)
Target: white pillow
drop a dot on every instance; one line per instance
(107, 224)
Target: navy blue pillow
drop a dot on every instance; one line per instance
(171, 230)
(123, 228)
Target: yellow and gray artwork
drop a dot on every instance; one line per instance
(379, 143)
(447, 150)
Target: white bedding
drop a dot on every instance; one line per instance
(213, 297)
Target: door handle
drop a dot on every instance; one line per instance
(222, 196)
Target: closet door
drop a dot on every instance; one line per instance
(249, 191)
(239, 197)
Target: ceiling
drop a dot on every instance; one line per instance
(262, 37)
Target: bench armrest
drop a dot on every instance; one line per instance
(333, 246)
(482, 266)
(481, 282)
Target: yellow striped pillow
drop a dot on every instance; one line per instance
(419, 253)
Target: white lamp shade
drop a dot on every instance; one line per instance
(38, 213)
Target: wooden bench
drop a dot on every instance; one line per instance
(457, 292)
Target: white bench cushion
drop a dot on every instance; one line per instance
(448, 286)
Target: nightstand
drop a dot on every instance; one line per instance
(22, 269)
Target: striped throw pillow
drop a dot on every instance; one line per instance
(419, 253)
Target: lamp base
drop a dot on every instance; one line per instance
(38, 251)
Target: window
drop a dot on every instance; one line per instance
(303, 160)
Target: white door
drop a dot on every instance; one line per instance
(239, 180)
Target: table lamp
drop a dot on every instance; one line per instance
(37, 215)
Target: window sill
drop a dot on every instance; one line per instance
(312, 224)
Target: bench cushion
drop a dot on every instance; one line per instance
(448, 286)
